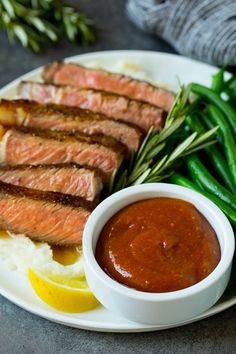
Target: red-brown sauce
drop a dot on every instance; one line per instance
(158, 245)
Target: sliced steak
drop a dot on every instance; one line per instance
(56, 117)
(60, 73)
(67, 179)
(21, 146)
(114, 106)
(43, 216)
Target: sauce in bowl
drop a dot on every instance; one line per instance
(158, 245)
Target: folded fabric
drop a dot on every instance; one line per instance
(201, 29)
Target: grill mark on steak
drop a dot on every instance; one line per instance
(53, 197)
(67, 179)
(43, 216)
(61, 73)
(116, 107)
(64, 118)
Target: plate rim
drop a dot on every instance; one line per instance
(131, 327)
(91, 324)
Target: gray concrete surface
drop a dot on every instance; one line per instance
(23, 333)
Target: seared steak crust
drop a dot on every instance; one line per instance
(65, 118)
(52, 197)
(98, 139)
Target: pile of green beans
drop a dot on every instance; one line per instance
(212, 172)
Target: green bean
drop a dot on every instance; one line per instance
(205, 180)
(230, 87)
(213, 152)
(229, 144)
(194, 124)
(176, 178)
(207, 122)
(218, 81)
(195, 105)
(214, 98)
(229, 82)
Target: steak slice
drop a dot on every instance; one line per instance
(114, 106)
(60, 73)
(56, 117)
(43, 216)
(67, 179)
(28, 146)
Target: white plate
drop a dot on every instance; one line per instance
(161, 68)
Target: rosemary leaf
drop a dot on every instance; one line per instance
(160, 153)
(142, 178)
(144, 143)
(203, 137)
(179, 106)
(121, 182)
(155, 150)
(112, 179)
(34, 22)
(199, 147)
(181, 148)
(9, 8)
(21, 34)
(169, 130)
(137, 171)
(158, 165)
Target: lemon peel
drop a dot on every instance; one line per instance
(63, 293)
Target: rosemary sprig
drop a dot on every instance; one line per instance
(160, 152)
(34, 22)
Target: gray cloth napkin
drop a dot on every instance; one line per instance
(201, 29)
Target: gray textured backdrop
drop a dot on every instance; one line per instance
(23, 333)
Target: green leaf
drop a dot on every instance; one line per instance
(112, 180)
(158, 165)
(178, 106)
(181, 148)
(166, 132)
(155, 151)
(137, 171)
(9, 8)
(144, 143)
(33, 44)
(121, 182)
(142, 178)
(21, 34)
(33, 22)
(203, 137)
(199, 147)
(6, 20)
(160, 153)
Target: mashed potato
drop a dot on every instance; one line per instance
(123, 67)
(20, 253)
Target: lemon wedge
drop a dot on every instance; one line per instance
(63, 293)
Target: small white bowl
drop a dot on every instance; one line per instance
(157, 308)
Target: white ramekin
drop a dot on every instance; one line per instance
(157, 308)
